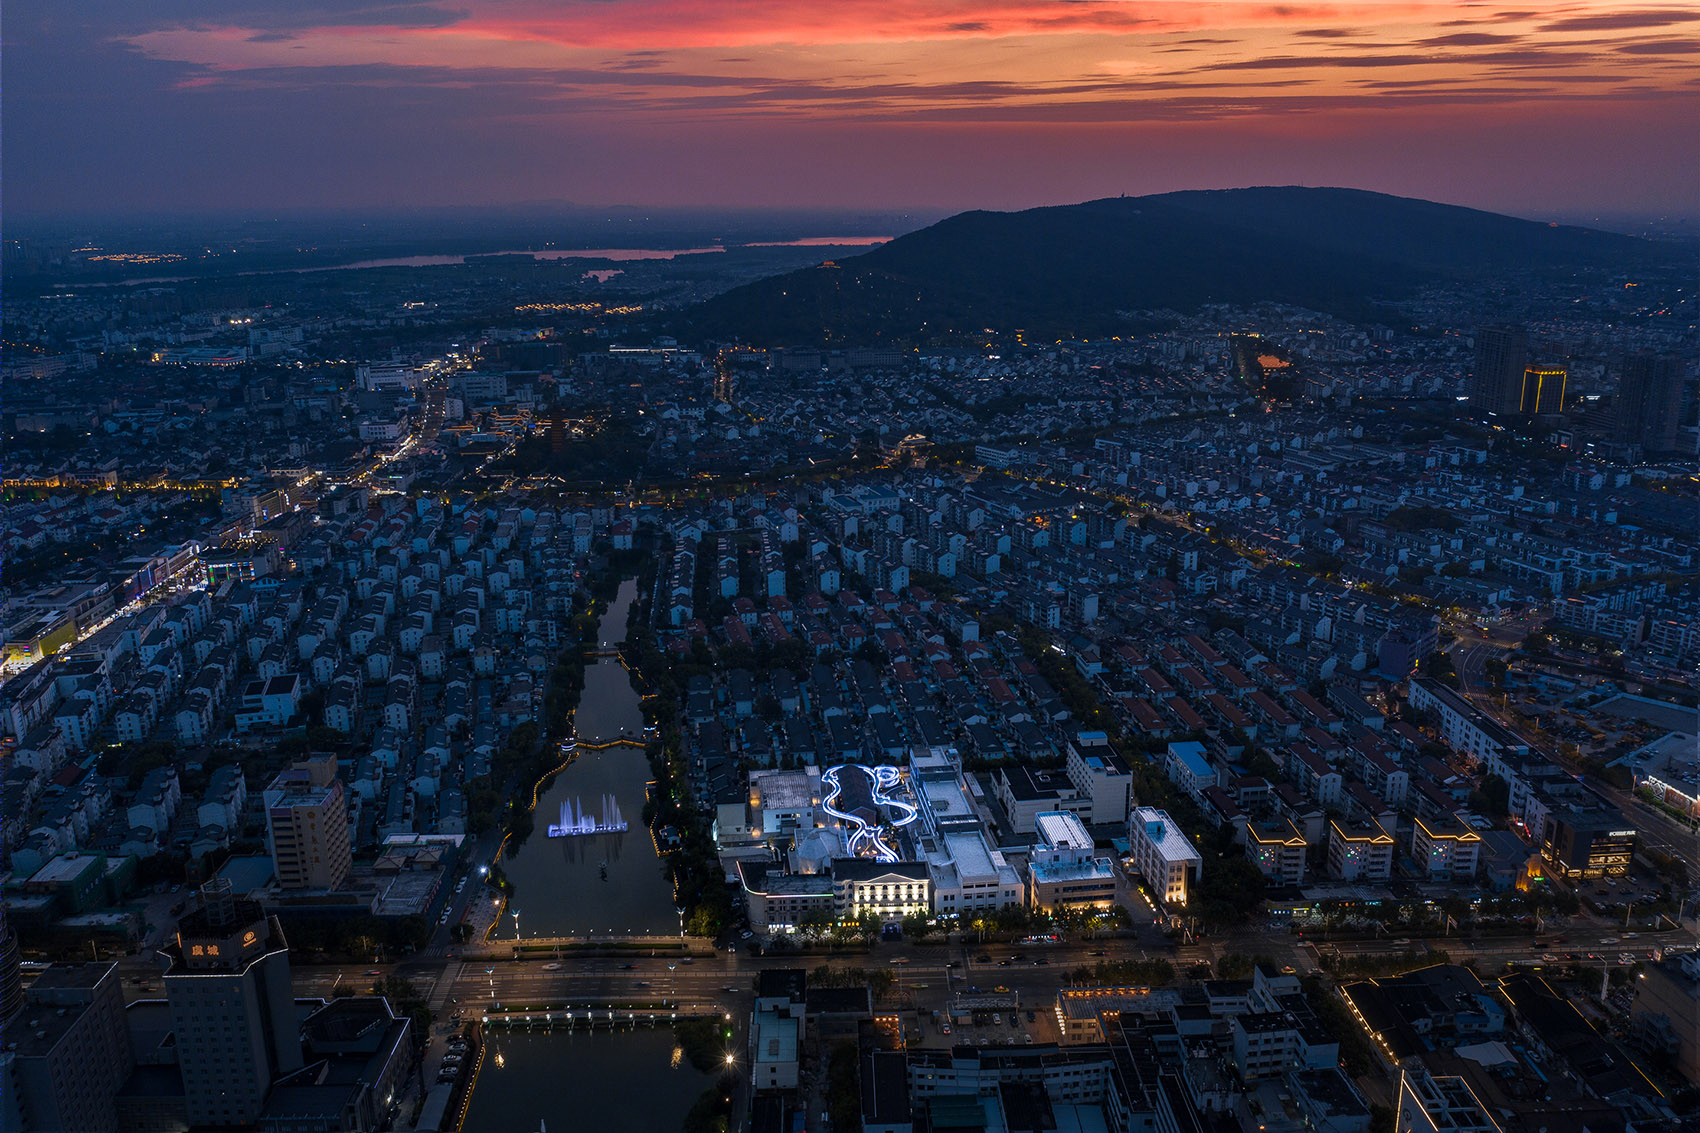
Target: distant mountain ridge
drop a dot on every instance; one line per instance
(1074, 270)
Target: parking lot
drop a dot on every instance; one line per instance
(1021, 1026)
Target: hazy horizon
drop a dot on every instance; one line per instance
(464, 220)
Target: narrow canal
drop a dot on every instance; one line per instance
(603, 1081)
(602, 884)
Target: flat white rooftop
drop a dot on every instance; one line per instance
(973, 858)
(1162, 832)
(1061, 830)
(776, 1037)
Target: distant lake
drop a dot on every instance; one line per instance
(821, 242)
(618, 254)
(534, 253)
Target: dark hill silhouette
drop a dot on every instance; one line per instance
(1077, 269)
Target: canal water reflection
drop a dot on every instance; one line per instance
(599, 883)
(606, 1081)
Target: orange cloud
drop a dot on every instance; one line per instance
(952, 59)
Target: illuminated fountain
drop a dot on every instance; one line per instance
(576, 819)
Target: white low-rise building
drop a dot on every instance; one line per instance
(968, 875)
(1359, 851)
(773, 1050)
(1066, 869)
(1446, 849)
(865, 887)
(1165, 857)
(1463, 726)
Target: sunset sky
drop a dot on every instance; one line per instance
(120, 105)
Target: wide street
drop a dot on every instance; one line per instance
(724, 980)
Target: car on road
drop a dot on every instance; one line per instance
(730, 988)
(374, 972)
(643, 983)
(944, 1028)
(687, 959)
(983, 958)
(627, 967)
(1099, 952)
(1031, 1017)
(551, 967)
(997, 1020)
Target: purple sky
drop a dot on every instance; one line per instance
(114, 106)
